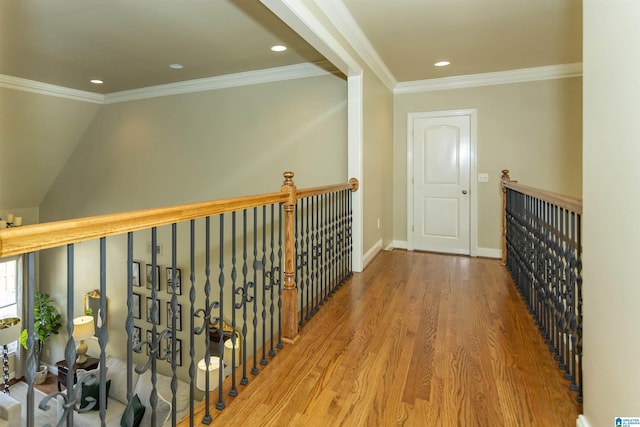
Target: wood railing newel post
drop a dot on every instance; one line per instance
(289, 291)
(504, 179)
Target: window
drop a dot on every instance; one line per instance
(9, 288)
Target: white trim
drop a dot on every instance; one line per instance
(490, 79)
(340, 16)
(355, 165)
(398, 244)
(473, 176)
(372, 252)
(582, 421)
(295, 14)
(489, 253)
(288, 72)
(40, 88)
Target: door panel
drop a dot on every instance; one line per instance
(441, 184)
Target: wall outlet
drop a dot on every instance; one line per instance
(483, 177)
(378, 223)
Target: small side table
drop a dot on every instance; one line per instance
(63, 370)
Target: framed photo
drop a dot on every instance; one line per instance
(148, 277)
(178, 355)
(135, 274)
(150, 306)
(135, 337)
(178, 281)
(137, 314)
(178, 316)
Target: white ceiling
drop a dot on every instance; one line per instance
(129, 44)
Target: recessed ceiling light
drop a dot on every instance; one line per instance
(176, 66)
(96, 81)
(278, 48)
(442, 63)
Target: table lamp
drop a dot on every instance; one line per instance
(83, 329)
(9, 332)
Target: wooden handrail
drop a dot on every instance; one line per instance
(36, 237)
(569, 203)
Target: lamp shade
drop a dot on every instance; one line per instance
(83, 328)
(9, 330)
(201, 377)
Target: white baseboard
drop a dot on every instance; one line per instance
(371, 253)
(582, 421)
(399, 244)
(481, 252)
(489, 253)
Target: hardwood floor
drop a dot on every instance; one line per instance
(418, 339)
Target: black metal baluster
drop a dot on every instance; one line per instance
(192, 301)
(273, 273)
(102, 330)
(279, 282)
(129, 328)
(255, 370)
(220, 404)
(234, 276)
(264, 276)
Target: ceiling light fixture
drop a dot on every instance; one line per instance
(442, 63)
(278, 48)
(176, 66)
(96, 81)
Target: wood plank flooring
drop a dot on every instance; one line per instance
(417, 339)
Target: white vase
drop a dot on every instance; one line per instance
(41, 375)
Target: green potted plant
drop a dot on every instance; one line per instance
(46, 322)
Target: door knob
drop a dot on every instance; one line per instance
(464, 191)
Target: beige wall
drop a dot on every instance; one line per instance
(533, 129)
(611, 207)
(378, 163)
(205, 146)
(37, 135)
(188, 148)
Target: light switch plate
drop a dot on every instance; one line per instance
(483, 177)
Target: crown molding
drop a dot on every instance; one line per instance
(289, 72)
(339, 15)
(40, 88)
(490, 79)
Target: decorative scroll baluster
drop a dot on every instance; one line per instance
(265, 286)
(220, 405)
(255, 370)
(280, 262)
(192, 317)
(233, 392)
(173, 303)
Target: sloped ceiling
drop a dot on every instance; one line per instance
(130, 45)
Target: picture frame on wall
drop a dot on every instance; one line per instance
(178, 281)
(149, 307)
(178, 355)
(137, 314)
(178, 316)
(135, 274)
(148, 277)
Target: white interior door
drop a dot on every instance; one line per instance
(441, 184)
